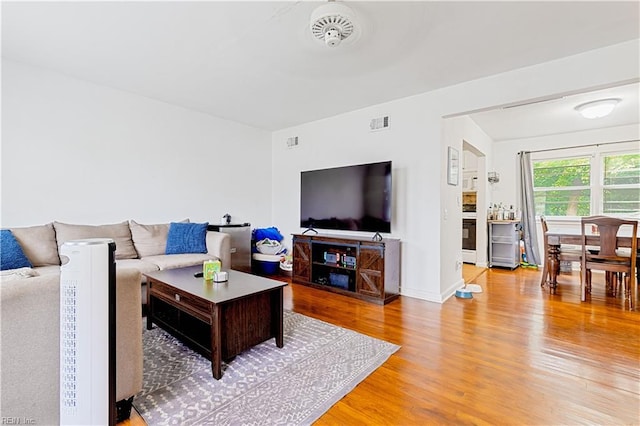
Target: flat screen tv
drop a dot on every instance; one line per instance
(350, 198)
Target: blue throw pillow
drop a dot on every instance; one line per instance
(11, 254)
(187, 238)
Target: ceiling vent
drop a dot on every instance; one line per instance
(379, 123)
(332, 23)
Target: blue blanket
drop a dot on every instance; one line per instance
(272, 233)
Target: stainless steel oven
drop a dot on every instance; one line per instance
(469, 234)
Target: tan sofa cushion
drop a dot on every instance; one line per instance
(137, 265)
(18, 274)
(119, 232)
(150, 240)
(171, 261)
(47, 270)
(38, 244)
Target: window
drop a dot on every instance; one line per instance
(583, 185)
(621, 184)
(562, 186)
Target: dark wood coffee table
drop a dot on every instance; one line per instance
(219, 320)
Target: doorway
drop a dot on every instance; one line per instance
(474, 234)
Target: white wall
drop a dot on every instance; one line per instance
(82, 153)
(416, 144)
(457, 130)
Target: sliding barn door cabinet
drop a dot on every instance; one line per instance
(361, 268)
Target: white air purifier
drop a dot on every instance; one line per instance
(87, 332)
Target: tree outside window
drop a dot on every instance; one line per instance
(562, 186)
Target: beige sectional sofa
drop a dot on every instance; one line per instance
(29, 303)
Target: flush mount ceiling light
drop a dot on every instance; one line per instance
(597, 109)
(332, 23)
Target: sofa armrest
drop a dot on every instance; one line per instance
(219, 245)
(30, 341)
(128, 334)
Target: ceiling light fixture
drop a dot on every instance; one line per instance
(597, 109)
(333, 22)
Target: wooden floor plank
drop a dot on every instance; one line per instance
(470, 273)
(514, 354)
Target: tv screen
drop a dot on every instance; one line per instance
(353, 198)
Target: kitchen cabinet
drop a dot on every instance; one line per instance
(469, 181)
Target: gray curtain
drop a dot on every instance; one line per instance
(529, 234)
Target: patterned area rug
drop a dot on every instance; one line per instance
(293, 385)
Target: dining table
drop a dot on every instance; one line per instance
(556, 239)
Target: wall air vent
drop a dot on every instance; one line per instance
(379, 123)
(292, 142)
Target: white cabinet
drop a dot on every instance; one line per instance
(469, 182)
(504, 243)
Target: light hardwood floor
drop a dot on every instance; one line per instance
(470, 273)
(513, 354)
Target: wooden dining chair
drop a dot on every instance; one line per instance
(608, 256)
(565, 255)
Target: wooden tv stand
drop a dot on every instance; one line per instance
(353, 266)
